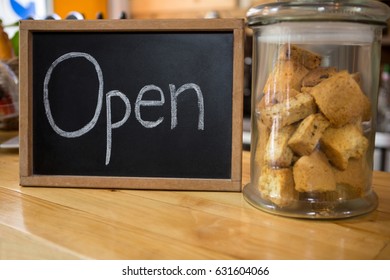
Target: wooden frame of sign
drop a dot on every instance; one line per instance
(166, 98)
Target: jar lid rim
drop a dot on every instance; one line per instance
(372, 12)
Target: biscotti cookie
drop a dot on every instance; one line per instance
(285, 76)
(341, 100)
(277, 185)
(355, 179)
(307, 58)
(313, 173)
(317, 75)
(306, 137)
(306, 89)
(277, 152)
(289, 111)
(272, 98)
(263, 133)
(341, 144)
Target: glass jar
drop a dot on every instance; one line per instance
(9, 96)
(314, 102)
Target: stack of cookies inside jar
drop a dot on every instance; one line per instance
(311, 144)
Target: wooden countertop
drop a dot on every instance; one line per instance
(52, 223)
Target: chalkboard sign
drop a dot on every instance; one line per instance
(146, 104)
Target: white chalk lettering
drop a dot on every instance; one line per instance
(111, 125)
(140, 102)
(175, 93)
(92, 123)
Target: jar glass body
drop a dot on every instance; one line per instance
(314, 103)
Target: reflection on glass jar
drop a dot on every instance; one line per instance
(314, 95)
(9, 96)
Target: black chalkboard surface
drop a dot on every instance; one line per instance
(132, 104)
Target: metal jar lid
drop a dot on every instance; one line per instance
(369, 11)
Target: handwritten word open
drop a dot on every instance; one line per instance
(140, 102)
